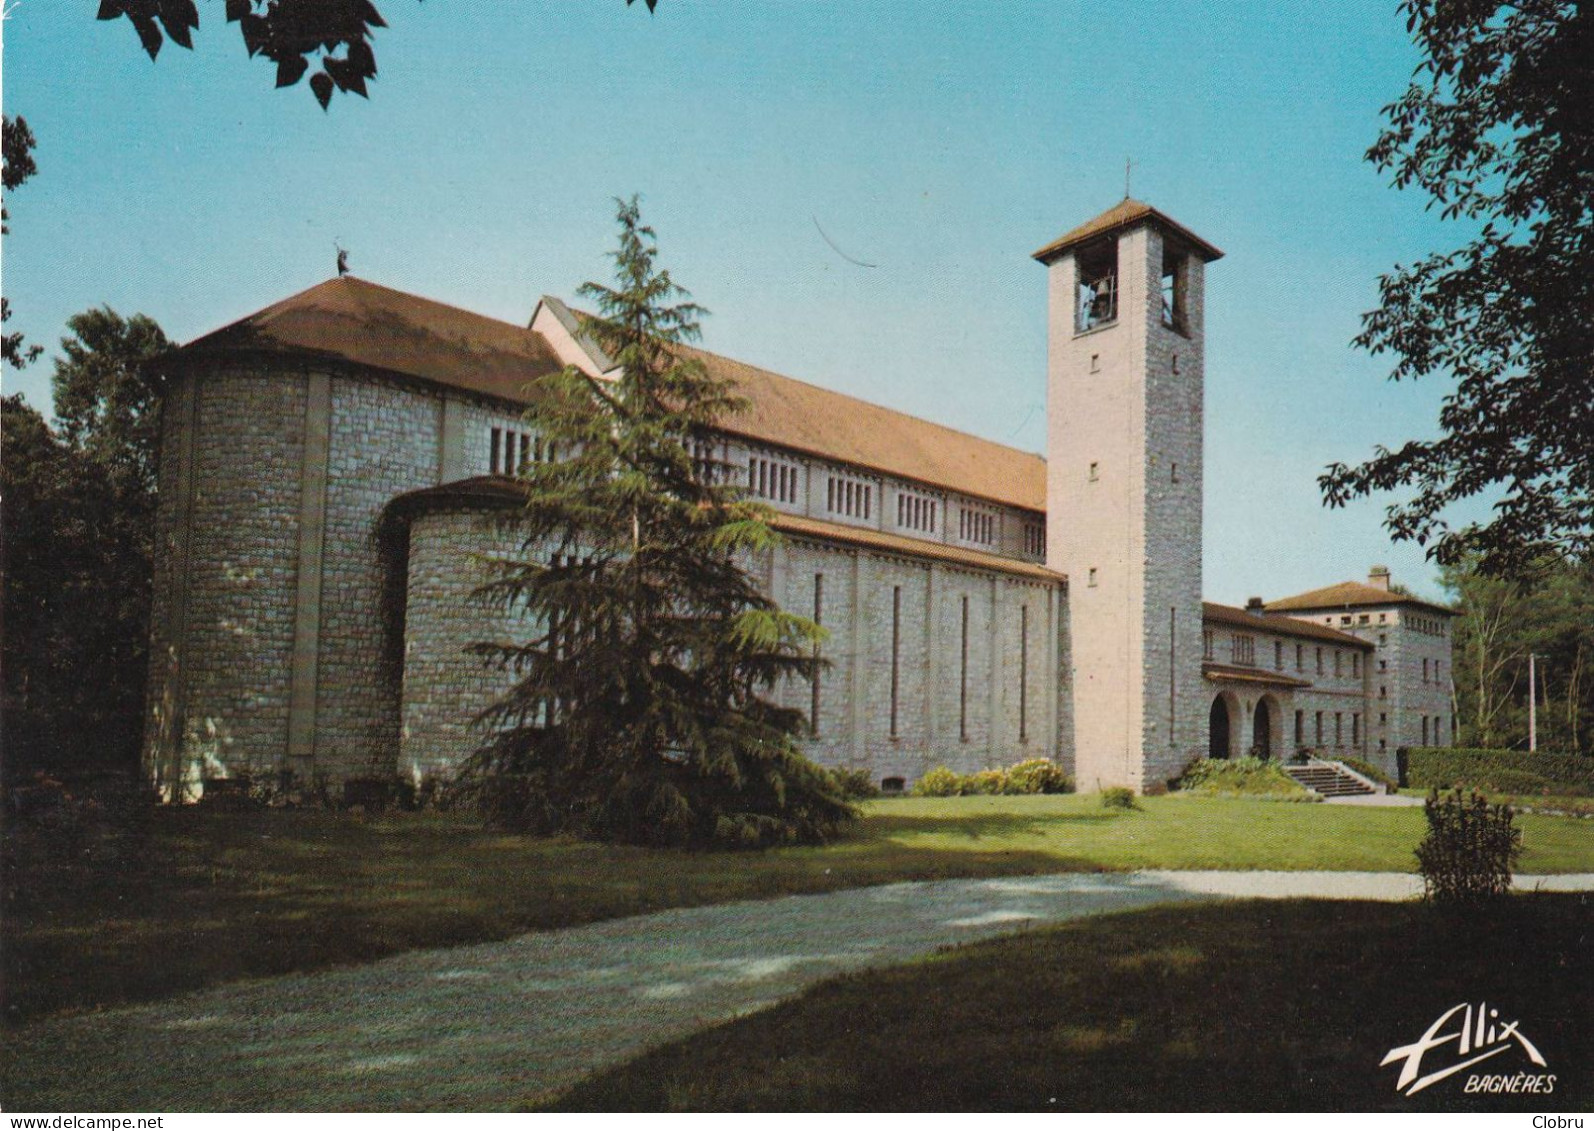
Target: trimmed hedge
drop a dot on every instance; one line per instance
(1495, 771)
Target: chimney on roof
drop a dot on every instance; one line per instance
(1378, 578)
(1253, 605)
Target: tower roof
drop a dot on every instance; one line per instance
(1126, 214)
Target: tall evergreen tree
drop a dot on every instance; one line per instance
(641, 711)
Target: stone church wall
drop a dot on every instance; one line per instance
(226, 564)
(444, 688)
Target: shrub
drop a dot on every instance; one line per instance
(855, 784)
(984, 782)
(1038, 775)
(1470, 847)
(939, 782)
(1241, 777)
(1425, 767)
(1117, 797)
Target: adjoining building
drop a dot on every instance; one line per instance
(336, 466)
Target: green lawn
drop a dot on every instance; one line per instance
(97, 915)
(1242, 1006)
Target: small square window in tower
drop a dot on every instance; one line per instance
(1175, 284)
(1096, 301)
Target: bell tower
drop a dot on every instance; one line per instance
(1123, 490)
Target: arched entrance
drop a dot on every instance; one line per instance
(1262, 731)
(1267, 728)
(1221, 727)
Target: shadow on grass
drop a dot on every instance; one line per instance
(1236, 1006)
(99, 916)
(977, 826)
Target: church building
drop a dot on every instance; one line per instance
(335, 467)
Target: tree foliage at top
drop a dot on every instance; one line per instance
(78, 542)
(641, 709)
(17, 167)
(1497, 128)
(336, 34)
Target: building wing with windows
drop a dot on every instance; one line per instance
(336, 468)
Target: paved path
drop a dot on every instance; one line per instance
(488, 1026)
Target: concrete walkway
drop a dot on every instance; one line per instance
(489, 1026)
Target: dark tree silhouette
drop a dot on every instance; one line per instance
(18, 166)
(1498, 129)
(336, 34)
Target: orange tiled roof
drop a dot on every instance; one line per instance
(362, 323)
(1349, 595)
(359, 322)
(1283, 626)
(1123, 215)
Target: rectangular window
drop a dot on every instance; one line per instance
(1300, 728)
(916, 512)
(1425, 670)
(1173, 667)
(1095, 472)
(508, 451)
(1300, 661)
(1035, 539)
(1425, 730)
(1090, 578)
(1175, 275)
(819, 618)
(707, 467)
(963, 676)
(1206, 644)
(1356, 665)
(1278, 655)
(1023, 672)
(1337, 661)
(977, 525)
(1096, 300)
(1355, 728)
(1242, 649)
(896, 651)
(1339, 737)
(1319, 661)
(1319, 721)
(848, 497)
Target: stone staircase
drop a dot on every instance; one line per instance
(1329, 779)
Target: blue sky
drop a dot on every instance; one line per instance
(942, 142)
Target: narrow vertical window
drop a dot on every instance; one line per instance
(819, 618)
(493, 459)
(1023, 672)
(896, 650)
(1173, 666)
(963, 676)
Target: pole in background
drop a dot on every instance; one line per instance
(1533, 703)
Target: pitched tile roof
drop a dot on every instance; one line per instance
(1123, 215)
(1350, 595)
(362, 323)
(359, 322)
(817, 421)
(1283, 626)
